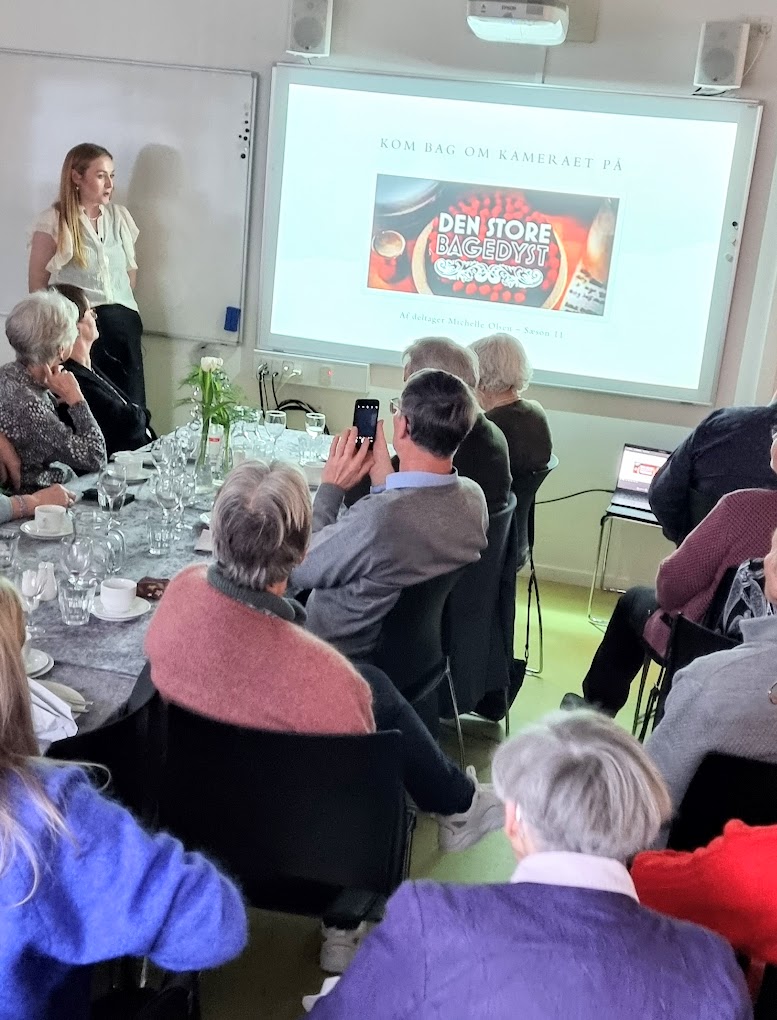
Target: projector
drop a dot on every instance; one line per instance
(542, 23)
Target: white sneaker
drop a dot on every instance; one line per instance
(338, 947)
(485, 814)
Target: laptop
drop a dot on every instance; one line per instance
(638, 466)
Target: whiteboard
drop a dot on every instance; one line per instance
(181, 142)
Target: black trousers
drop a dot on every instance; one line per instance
(620, 655)
(118, 352)
(431, 778)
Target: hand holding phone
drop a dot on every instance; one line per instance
(348, 462)
(365, 418)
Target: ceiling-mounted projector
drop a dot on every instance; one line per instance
(542, 23)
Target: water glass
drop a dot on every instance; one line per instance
(29, 582)
(9, 540)
(76, 556)
(166, 491)
(76, 598)
(160, 530)
(112, 485)
(275, 426)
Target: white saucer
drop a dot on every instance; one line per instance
(138, 608)
(47, 536)
(37, 662)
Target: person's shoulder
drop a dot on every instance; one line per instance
(301, 642)
(485, 431)
(47, 222)
(743, 500)
(189, 580)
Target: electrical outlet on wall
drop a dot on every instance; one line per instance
(347, 376)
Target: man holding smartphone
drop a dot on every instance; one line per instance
(416, 523)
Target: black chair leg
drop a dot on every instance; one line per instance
(507, 711)
(640, 693)
(454, 703)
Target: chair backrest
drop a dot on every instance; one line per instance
(724, 787)
(473, 617)
(714, 615)
(294, 817)
(525, 487)
(410, 649)
(128, 746)
(687, 641)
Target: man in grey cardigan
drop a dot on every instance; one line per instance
(725, 702)
(414, 525)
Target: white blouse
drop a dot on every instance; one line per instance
(110, 254)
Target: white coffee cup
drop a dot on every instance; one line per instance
(133, 462)
(117, 594)
(50, 519)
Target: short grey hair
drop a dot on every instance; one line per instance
(442, 353)
(583, 785)
(440, 410)
(503, 362)
(41, 327)
(261, 523)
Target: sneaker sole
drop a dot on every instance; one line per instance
(491, 820)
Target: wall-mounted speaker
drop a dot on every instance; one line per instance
(310, 28)
(720, 63)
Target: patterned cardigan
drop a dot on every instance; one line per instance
(50, 451)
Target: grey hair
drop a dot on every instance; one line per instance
(583, 785)
(503, 363)
(440, 411)
(444, 354)
(261, 523)
(41, 326)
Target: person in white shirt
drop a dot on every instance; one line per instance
(86, 240)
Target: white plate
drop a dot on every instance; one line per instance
(148, 460)
(37, 662)
(47, 536)
(138, 608)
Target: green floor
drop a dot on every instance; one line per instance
(280, 963)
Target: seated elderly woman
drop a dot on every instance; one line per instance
(225, 643)
(124, 424)
(42, 330)
(567, 937)
(505, 373)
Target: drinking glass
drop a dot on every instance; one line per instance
(9, 540)
(165, 491)
(112, 486)
(162, 451)
(187, 439)
(76, 598)
(75, 556)
(160, 530)
(315, 423)
(29, 583)
(275, 425)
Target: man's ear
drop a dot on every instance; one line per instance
(401, 430)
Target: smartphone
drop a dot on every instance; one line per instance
(365, 418)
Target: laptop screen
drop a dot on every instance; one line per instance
(638, 465)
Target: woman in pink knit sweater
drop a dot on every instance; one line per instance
(739, 528)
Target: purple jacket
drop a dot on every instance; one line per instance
(535, 952)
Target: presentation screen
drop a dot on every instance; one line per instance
(600, 229)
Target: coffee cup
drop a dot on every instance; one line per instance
(117, 594)
(50, 519)
(133, 462)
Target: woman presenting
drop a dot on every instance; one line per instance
(85, 240)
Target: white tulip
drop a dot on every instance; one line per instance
(209, 364)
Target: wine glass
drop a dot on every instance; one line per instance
(315, 424)
(275, 425)
(76, 556)
(112, 486)
(166, 493)
(29, 583)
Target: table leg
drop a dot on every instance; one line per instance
(600, 566)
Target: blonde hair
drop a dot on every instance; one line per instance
(68, 206)
(18, 746)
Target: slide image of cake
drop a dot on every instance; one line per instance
(510, 246)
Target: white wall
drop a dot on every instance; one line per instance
(638, 47)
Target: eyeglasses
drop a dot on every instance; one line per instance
(395, 405)
(774, 432)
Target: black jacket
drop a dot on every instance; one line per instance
(125, 425)
(729, 450)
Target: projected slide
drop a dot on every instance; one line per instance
(531, 248)
(605, 237)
